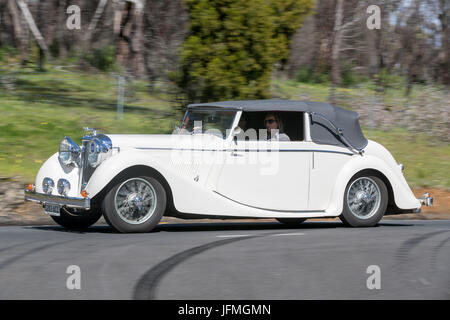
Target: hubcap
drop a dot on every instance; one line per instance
(135, 201)
(363, 198)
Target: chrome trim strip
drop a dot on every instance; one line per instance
(251, 150)
(84, 203)
(296, 211)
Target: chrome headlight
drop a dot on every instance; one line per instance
(69, 152)
(63, 187)
(48, 185)
(97, 148)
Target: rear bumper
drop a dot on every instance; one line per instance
(426, 200)
(82, 203)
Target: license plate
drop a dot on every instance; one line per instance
(52, 209)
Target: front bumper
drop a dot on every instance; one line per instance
(82, 203)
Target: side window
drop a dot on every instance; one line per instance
(290, 124)
(293, 125)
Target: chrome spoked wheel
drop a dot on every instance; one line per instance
(135, 201)
(364, 198)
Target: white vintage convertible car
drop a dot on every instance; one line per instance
(282, 159)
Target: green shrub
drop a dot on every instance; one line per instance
(233, 45)
(8, 51)
(307, 75)
(390, 81)
(323, 78)
(348, 76)
(304, 74)
(54, 48)
(103, 58)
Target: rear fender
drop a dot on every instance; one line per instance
(403, 196)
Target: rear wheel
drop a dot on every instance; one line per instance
(135, 204)
(70, 218)
(291, 221)
(365, 201)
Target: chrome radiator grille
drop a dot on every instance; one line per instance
(102, 146)
(86, 170)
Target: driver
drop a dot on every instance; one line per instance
(274, 127)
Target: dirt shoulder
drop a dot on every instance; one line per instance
(440, 209)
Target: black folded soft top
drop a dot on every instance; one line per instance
(325, 118)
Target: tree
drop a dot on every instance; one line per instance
(165, 27)
(339, 32)
(233, 45)
(288, 15)
(336, 48)
(444, 18)
(129, 38)
(18, 30)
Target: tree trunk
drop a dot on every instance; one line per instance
(34, 29)
(61, 21)
(138, 44)
(93, 24)
(444, 17)
(323, 31)
(19, 36)
(129, 36)
(336, 48)
(122, 30)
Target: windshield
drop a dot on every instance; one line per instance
(208, 121)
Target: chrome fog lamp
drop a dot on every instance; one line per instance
(48, 185)
(69, 152)
(63, 187)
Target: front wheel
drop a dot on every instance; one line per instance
(77, 218)
(365, 201)
(135, 204)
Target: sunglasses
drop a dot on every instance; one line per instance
(270, 121)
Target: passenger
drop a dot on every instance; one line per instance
(273, 123)
(243, 122)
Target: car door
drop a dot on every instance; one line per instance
(327, 163)
(270, 175)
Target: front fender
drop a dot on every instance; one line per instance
(403, 196)
(53, 169)
(114, 165)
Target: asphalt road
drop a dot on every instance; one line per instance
(262, 260)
